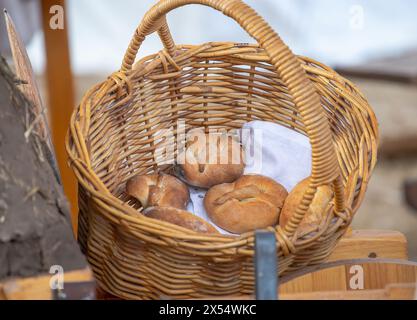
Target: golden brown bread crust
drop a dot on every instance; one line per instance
(213, 160)
(180, 218)
(158, 190)
(251, 202)
(316, 211)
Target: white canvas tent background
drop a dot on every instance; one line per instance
(342, 32)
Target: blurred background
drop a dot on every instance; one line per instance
(372, 42)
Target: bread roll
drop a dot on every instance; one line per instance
(212, 159)
(159, 190)
(180, 218)
(316, 211)
(251, 202)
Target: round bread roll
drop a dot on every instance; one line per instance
(251, 202)
(158, 190)
(212, 159)
(316, 211)
(180, 218)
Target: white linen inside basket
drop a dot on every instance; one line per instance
(271, 150)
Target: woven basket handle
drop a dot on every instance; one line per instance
(325, 167)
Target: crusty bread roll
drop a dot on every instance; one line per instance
(316, 211)
(212, 159)
(159, 190)
(181, 218)
(251, 202)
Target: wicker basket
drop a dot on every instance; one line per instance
(116, 128)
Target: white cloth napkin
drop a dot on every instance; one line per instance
(271, 150)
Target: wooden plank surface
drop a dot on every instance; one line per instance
(391, 292)
(378, 276)
(338, 275)
(371, 244)
(38, 288)
(383, 278)
(356, 244)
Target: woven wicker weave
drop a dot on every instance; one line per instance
(116, 128)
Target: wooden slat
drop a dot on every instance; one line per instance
(402, 291)
(302, 284)
(38, 288)
(60, 96)
(336, 275)
(328, 280)
(337, 295)
(383, 279)
(332, 279)
(371, 244)
(378, 276)
(392, 292)
(356, 244)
